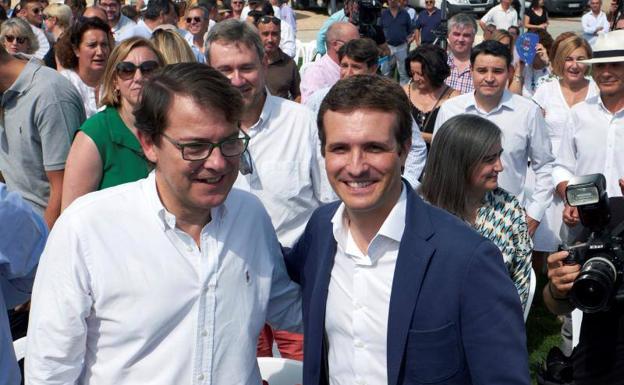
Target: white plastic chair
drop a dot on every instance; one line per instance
(20, 348)
(280, 371)
(532, 285)
(299, 51)
(309, 51)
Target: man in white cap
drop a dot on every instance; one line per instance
(593, 144)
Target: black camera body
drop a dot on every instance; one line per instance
(367, 17)
(601, 256)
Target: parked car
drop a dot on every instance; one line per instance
(475, 7)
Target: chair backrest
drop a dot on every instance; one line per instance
(280, 371)
(309, 52)
(532, 285)
(299, 51)
(19, 346)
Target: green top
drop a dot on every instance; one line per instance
(122, 157)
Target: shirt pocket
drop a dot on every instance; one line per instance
(433, 355)
(282, 179)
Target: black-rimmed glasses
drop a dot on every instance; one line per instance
(126, 69)
(196, 19)
(195, 151)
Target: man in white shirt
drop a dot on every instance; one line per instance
(32, 12)
(394, 290)
(524, 130)
(284, 154)
(118, 22)
(167, 280)
(158, 12)
(594, 22)
(502, 16)
(593, 140)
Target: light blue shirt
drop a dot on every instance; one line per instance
(322, 33)
(22, 236)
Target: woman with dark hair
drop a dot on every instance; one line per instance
(536, 16)
(461, 177)
(106, 151)
(83, 53)
(427, 68)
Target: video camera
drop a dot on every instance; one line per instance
(366, 17)
(599, 283)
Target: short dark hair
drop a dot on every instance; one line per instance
(363, 50)
(156, 7)
(514, 28)
(434, 62)
(491, 47)
(71, 39)
(205, 85)
(23, 3)
(368, 92)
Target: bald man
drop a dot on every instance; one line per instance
(95, 12)
(325, 72)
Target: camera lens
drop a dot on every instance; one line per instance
(593, 287)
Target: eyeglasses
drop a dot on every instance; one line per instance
(268, 19)
(196, 19)
(37, 11)
(429, 2)
(195, 151)
(11, 38)
(45, 17)
(237, 2)
(126, 69)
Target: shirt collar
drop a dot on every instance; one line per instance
(392, 228)
(505, 102)
(25, 78)
(598, 101)
(166, 218)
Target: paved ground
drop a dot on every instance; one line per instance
(309, 22)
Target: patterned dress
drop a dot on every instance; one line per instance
(502, 220)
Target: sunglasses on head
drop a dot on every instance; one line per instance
(126, 69)
(11, 39)
(268, 19)
(196, 19)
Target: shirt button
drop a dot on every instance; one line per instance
(359, 344)
(204, 333)
(200, 377)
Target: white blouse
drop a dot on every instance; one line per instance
(87, 93)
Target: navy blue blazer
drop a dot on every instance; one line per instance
(455, 316)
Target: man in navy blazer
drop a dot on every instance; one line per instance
(396, 291)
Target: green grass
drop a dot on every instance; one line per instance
(542, 330)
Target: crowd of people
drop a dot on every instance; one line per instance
(180, 195)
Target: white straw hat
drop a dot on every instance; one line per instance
(609, 48)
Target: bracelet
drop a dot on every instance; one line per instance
(562, 299)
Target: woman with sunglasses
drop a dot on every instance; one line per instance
(106, 151)
(82, 52)
(17, 37)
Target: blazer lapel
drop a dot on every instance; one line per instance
(412, 261)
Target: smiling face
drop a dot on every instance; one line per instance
(240, 63)
(130, 89)
(490, 75)
(112, 9)
(363, 160)
(418, 78)
(198, 23)
(237, 6)
(33, 13)
(595, 5)
(460, 39)
(350, 67)
(93, 51)
(192, 187)
(610, 78)
(574, 71)
(484, 177)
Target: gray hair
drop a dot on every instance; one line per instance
(234, 31)
(23, 30)
(457, 149)
(462, 20)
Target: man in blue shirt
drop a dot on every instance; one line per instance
(22, 236)
(397, 27)
(428, 20)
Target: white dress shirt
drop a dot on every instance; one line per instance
(123, 296)
(44, 44)
(500, 18)
(139, 30)
(592, 143)
(417, 156)
(358, 300)
(287, 166)
(590, 23)
(524, 138)
(124, 25)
